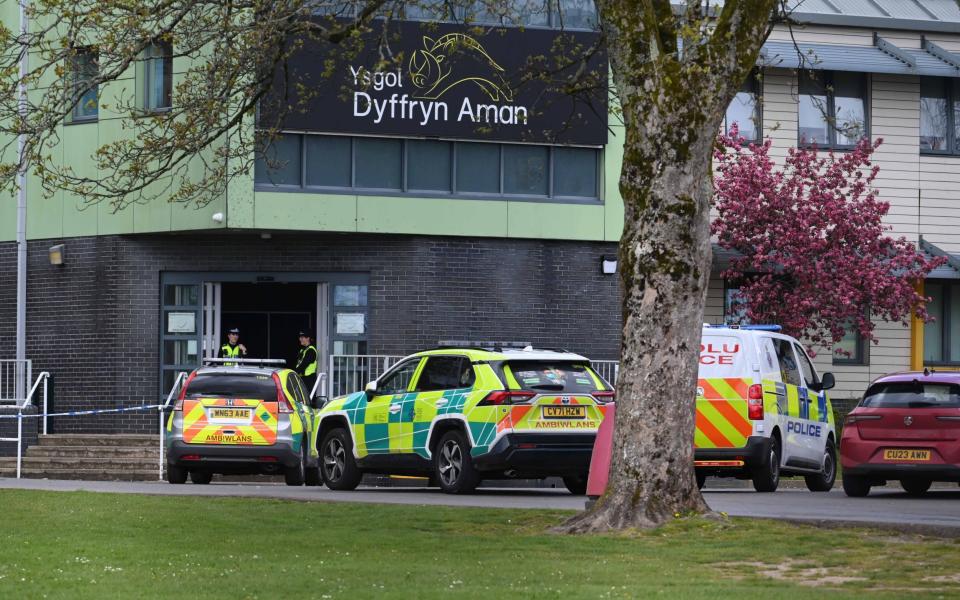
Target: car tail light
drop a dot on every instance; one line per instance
(755, 402)
(270, 459)
(282, 401)
(190, 457)
(604, 396)
(854, 418)
(507, 397)
(178, 405)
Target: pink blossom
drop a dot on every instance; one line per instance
(813, 252)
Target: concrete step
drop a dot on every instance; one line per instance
(100, 439)
(58, 462)
(83, 474)
(95, 451)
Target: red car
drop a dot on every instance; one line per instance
(906, 427)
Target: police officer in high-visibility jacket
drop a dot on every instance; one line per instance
(233, 348)
(306, 365)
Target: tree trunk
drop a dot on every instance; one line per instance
(675, 76)
(664, 267)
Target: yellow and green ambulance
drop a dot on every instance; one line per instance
(460, 415)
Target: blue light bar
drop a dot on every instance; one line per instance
(749, 327)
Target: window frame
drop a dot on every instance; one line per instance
(860, 358)
(756, 78)
(951, 91)
(166, 56)
(826, 79)
(463, 361)
(455, 193)
(416, 362)
(76, 82)
(951, 288)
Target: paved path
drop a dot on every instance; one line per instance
(940, 509)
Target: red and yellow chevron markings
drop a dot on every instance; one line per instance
(721, 418)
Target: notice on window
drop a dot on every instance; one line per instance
(351, 323)
(181, 322)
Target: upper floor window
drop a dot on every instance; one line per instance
(556, 14)
(158, 76)
(939, 115)
(832, 111)
(744, 109)
(84, 69)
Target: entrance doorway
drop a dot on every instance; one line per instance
(269, 316)
(197, 309)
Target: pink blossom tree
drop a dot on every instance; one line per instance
(811, 252)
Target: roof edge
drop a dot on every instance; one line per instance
(865, 22)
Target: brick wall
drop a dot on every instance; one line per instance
(93, 322)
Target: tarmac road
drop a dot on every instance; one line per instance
(938, 511)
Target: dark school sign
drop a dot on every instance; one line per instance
(502, 84)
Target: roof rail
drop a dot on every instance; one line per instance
(747, 327)
(481, 345)
(244, 362)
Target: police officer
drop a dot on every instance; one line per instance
(233, 348)
(306, 365)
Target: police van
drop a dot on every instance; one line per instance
(762, 410)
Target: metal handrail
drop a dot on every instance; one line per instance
(162, 410)
(20, 408)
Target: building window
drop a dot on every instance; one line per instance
(734, 306)
(85, 68)
(158, 76)
(278, 162)
(429, 167)
(744, 110)
(832, 111)
(939, 116)
(851, 349)
(941, 337)
(554, 14)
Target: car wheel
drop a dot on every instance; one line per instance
(337, 465)
(916, 487)
(701, 480)
(855, 486)
(577, 484)
(176, 474)
(823, 481)
(201, 477)
(296, 475)
(766, 478)
(454, 465)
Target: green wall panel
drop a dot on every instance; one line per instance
(556, 221)
(612, 161)
(310, 212)
(431, 216)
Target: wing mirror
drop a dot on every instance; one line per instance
(827, 381)
(371, 389)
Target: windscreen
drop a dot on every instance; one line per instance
(549, 376)
(249, 387)
(912, 394)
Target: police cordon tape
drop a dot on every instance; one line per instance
(77, 413)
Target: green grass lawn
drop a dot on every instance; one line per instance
(85, 545)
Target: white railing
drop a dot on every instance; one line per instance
(163, 410)
(351, 372)
(608, 369)
(15, 377)
(27, 402)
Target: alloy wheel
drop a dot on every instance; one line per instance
(451, 463)
(333, 459)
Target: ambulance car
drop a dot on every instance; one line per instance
(762, 410)
(463, 414)
(247, 418)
